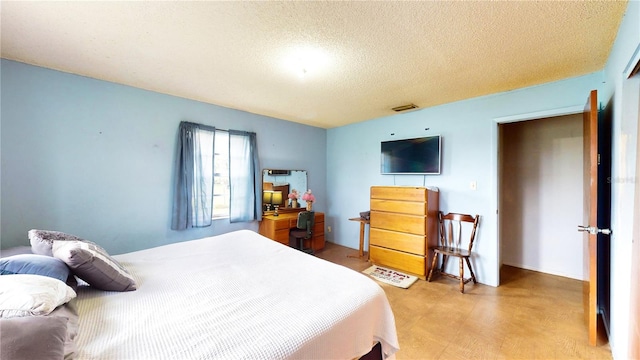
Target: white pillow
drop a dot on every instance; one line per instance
(27, 294)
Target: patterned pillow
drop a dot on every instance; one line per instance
(91, 263)
(42, 240)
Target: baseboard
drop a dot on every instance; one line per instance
(521, 266)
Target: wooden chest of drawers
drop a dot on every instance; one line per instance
(277, 228)
(403, 228)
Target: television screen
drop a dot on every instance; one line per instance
(411, 156)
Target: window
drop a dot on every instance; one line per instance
(216, 177)
(221, 188)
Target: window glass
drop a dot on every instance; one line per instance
(221, 193)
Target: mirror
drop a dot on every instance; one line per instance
(279, 184)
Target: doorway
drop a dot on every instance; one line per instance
(541, 197)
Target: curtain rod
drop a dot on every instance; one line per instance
(203, 126)
(213, 128)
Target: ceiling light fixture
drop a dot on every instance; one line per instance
(302, 68)
(306, 61)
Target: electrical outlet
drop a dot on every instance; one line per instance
(328, 228)
(473, 185)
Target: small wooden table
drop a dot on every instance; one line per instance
(362, 222)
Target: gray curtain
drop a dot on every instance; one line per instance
(193, 181)
(183, 179)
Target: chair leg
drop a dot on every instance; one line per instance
(433, 265)
(310, 249)
(461, 276)
(473, 276)
(444, 260)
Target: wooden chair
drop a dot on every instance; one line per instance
(303, 230)
(452, 244)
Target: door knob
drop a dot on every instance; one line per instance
(593, 230)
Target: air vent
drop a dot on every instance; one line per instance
(279, 172)
(404, 107)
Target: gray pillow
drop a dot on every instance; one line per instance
(70, 312)
(33, 337)
(91, 263)
(42, 240)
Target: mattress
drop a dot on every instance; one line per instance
(234, 296)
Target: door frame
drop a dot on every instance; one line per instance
(634, 323)
(633, 344)
(495, 188)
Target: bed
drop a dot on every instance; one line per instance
(234, 296)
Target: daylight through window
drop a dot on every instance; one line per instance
(221, 193)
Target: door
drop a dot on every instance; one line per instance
(590, 214)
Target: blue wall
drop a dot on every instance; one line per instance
(95, 159)
(469, 153)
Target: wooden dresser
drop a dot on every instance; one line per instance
(277, 228)
(403, 228)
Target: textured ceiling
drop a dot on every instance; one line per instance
(324, 64)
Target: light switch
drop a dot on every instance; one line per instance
(473, 185)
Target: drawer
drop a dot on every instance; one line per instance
(398, 260)
(410, 243)
(282, 236)
(282, 224)
(406, 193)
(412, 224)
(400, 207)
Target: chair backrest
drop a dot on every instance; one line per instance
(458, 230)
(306, 221)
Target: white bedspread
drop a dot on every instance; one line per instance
(235, 296)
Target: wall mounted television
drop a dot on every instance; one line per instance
(411, 156)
